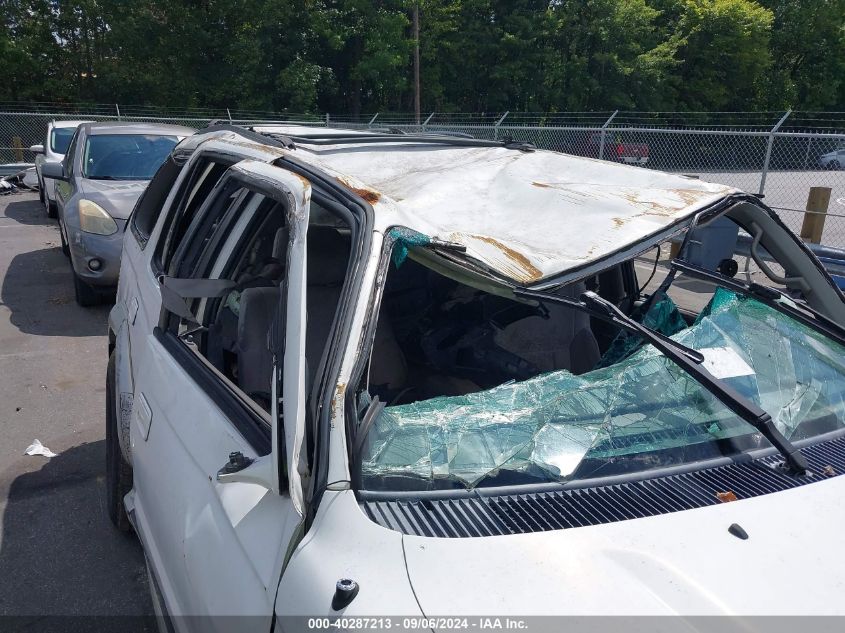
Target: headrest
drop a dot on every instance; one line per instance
(280, 244)
(258, 307)
(328, 256)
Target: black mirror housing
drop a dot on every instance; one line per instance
(54, 170)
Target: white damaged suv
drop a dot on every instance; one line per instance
(361, 374)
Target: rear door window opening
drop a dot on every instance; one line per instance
(466, 386)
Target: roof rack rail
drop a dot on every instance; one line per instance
(362, 139)
(290, 141)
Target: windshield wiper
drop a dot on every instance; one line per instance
(771, 297)
(690, 361)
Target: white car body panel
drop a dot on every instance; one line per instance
(343, 543)
(188, 443)
(679, 563)
(49, 156)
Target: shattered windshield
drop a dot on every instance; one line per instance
(633, 406)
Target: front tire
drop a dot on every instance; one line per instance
(118, 472)
(85, 294)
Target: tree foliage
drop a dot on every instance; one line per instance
(476, 55)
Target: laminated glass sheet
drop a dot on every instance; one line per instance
(547, 425)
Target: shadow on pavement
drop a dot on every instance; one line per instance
(30, 212)
(38, 290)
(60, 555)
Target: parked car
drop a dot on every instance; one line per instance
(52, 149)
(105, 169)
(615, 149)
(355, 374)
(834, 159)
(631, 153)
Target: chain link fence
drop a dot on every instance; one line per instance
(780, 155)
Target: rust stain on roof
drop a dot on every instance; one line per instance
(270, 149)
(367, 194)
(522, 269)
(691, 196)
(302, 178)
(687, 198)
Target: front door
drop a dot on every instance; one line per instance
(214, 498)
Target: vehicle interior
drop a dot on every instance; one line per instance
(437, 337)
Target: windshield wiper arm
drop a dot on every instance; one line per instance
(684, 358)
(771, 297)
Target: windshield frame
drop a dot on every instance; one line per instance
(87, 147)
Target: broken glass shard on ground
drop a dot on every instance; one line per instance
(547, 425)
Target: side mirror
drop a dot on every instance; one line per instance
(36, 149)
(54, 170)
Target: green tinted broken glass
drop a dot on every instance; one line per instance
(547, 425)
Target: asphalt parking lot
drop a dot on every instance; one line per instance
(59, 555)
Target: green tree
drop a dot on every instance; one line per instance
(722, 48)
(367, 47)
(355, 56)
(608, 55)
(808, 50)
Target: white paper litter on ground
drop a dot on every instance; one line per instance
(37, 448)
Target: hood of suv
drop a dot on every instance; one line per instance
(681, 563)
(118, 197)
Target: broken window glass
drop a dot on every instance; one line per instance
(543, 428)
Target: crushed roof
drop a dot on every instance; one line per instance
(527, 215)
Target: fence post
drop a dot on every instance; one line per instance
(769, 151)
(604, 133)
(807, 154)
(17, 146)
(229, 114)
(375, 116)
(813, 225)
(327, 119)
(426, 121)
(498, 123)
(118, 111)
